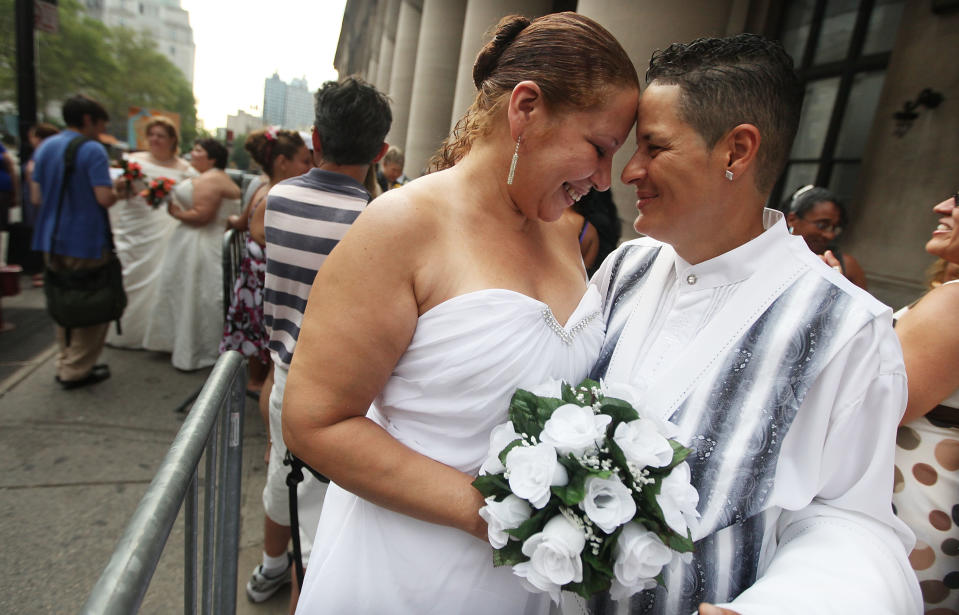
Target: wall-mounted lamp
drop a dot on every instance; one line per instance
(928, 98)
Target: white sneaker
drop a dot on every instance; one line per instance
(261, 587)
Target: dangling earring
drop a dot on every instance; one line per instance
(729, 175)
(790, 230)
(512, 164)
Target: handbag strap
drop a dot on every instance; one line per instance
(69, 165)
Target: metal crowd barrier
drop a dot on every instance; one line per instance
(215, 424)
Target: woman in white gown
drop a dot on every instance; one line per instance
(141, 232)
(187, 315)
(445, 296)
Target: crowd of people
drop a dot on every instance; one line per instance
(823, 428)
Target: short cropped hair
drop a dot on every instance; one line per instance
(742, 79)
(351, 118)
(75, 107)
(215, 150)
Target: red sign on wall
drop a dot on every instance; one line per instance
(45, 16)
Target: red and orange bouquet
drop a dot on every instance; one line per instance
(132, 171)
(157, 191)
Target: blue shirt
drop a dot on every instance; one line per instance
(6, 182)
(83, 229)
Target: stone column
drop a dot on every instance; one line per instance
(642, 26)
(387, 45)
(434, 80)
(481, 17)
(404, 63)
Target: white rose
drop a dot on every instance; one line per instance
(553, 557)
(643, 444)
(502, 516)
(499, 437)
(678, 499)
(639, 555)
(533, 470)
(574, 429)
(608, 502)
(550, 388)
(625, 392)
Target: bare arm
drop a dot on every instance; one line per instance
(854, 271)
(930, 348)
(105, 196)
(258, 222)
(207, 197)
(360, 319)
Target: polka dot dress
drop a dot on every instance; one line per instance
(926, 497)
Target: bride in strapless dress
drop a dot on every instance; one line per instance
(141, 232)
(187, 316)
(443, 297)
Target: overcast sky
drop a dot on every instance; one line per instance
(240, 43)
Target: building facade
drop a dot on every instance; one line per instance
(243, 123)
(862, 62)
(164, 20)
(288, 105)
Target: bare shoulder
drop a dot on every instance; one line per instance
(940, 303)
(409, 213)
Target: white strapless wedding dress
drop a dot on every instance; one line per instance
(187, 316)
(448, 390)
(140, 234)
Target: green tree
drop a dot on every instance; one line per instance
(117, 66)
(238, 154)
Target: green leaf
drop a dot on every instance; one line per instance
(509, 555)
(573, 492)
(546, 407)
(621, 411)
(680, 453)
(534, 524)
(524, 413)
(618, 456)
(597, 562)
(509, 447)
(569, 395)
(594, 581)
(492, 485)
(679, 543)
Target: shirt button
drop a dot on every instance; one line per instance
(691, 279)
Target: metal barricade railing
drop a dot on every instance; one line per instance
(214, 424)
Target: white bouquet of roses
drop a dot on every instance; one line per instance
(585, 494)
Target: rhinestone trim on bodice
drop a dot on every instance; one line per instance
(564, 335)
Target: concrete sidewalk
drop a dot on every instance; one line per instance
(75, 464)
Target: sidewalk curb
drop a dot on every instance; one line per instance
(21, 374)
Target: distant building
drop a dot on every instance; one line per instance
(287, 105)
(243, 123)
(164, 20)
(274, 100)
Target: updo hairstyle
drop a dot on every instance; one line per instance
(168, 126)
(267, 144)
(575, 61)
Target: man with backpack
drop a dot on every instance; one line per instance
(72, 229)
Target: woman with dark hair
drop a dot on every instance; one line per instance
(141, 232)
(410, 350)
(819, 217)
(281, 154)
(187, 316)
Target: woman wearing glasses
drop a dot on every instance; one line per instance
(926, 491)
(817, 215)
